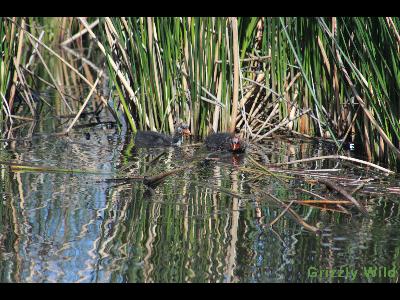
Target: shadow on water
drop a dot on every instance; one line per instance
(204, 224)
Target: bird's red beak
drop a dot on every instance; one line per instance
(186, 132)
(235, 146)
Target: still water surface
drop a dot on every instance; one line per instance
(206, 224)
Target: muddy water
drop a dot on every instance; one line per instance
(205, 224)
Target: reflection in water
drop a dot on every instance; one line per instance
(201, 225)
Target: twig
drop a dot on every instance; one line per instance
(156, 159)
(345, 194)
(35, 49)
(85, 103)
(336, 157)
(50, 75)
(153, 180)
(323, 201)
(84, 60)
(341, 210)
(80, 33)
(281, 214)
(297, 218)
(358, 187)
(22, 118)
(282, 124)
(311, 193)
(6, 108)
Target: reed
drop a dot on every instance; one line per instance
(178, 68)
(8, 49)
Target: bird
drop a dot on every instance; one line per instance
(225, 141)
(156, 139)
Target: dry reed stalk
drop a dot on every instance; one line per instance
(291, 83)
(283, 123)
(63, 29)
(367, 141)
(267, 120)
(10, 38)
(51, 76)
(345, 194)
(264, 168)
(88, 74)
(311, 193)
(35, 49)
(335, 79)
(84, 60)
(241, 118)
(325, 59)
(265, 87)
(185, 81)
(17, 62)
(22, 81)
(22, 118)
(65, 75)
(336, 157)
(79, 34)
(236, 73)
(393, 27)
(217, 49)
(323, 201)
(61, 79)
(257, 124)
(84, 103)
(320, 170)
(324, 208)
(254, 114)
(350, 127)
(302, 134)
(277, 98)
(281, 214)
(381, 148)
(217, 109)
(244, 99)
(292, 114)
(216, 102)
(297, 218)
(6, 108)
(358, 187)
(156, 75)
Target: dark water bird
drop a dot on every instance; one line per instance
(225, 141)
(156, 139)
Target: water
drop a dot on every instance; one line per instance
(205, 224)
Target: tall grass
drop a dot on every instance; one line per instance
(8, 50)
(177, 68)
